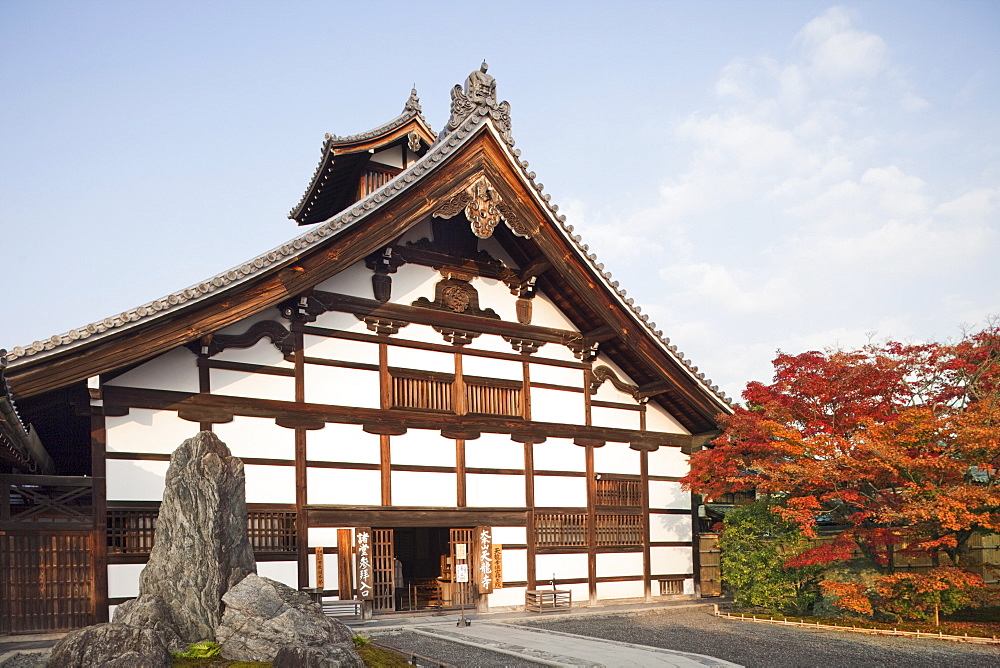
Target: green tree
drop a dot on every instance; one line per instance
(756, 544)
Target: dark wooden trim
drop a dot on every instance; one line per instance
(696, 541)
(359, 466)
(669, 511)
(670, 543)
(245, 367)
(436, 347)
(253, 407)
(560, 388)
(647, 586)
(159, 457)
(474, 469)
(301, 477)
(526, 391)
(340, 364)
(529, 500)
(99, 499)
(385, 468)
(412, 516)
(460, 482)
(616, 405)
(664, 478)
(204, 383)
(591, 524)
(515, 546)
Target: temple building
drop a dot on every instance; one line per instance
(440, 397)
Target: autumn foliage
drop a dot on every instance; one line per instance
(897, 445)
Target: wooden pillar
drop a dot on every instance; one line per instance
(204, 381)
(529, 501)
(591, 526)
(301, 492)
(385, 402)
(461, 501)
(385, 468)
(647, 583)
(696, 543)
(99, 538)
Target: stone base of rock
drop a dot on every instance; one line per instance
(111, 646)
(263, 616)
(327, 656)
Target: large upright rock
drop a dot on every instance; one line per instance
(201, 547)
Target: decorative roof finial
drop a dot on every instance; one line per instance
(413, 104)
(480, 91)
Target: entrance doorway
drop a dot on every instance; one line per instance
(423, 573)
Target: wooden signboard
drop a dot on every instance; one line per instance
(320, 566)
(497, 566)
(482, 559)
(363, 553)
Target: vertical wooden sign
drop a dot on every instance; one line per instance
(363, 552)
(345, 569)
(320, 568)
(482, 559)
(497, 566)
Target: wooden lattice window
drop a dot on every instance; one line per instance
(619, 492)
(271, 531)
(670, 587)
(615, 530)
(132, 531)
(422, 390)
(492, 396)
(561, 529)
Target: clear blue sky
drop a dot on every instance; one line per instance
(758, 175)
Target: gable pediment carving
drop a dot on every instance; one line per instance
(484, 208)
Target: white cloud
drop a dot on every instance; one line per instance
(835, 49)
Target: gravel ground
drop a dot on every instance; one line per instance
(771, 646)
(449, 652)
(26, 660)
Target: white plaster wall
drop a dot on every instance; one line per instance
(670, 560)
(282, 571)
(412, 281)
(354, 280)
(494, 451)
(619, 564)
(344, 487)
(391, 156)
(262, 352)
(422, 333)
(614, 417)
(556, 375)
(669, 528)
(604, 360)
(668, 495)
(559, 454)
(515, 565)
(410, 488)
(508, 596)
(343, 443)
(270, 484)
(545, 314)
(255, 385)
(257, 437)
(428, 360)
(492, 368)
(421, 230)
(322, 537)
(557, 406)
(329, 567)
(617, 458)
(135, 481)
(496, 295)
(658, 419)
(563, 565)
(668, 461)
(493, 247)
(341, 387)
(174, 370)
(123, 580)
(489, 342)
(340, 349)
(610, 590)
(494, 490)
(559, 491)
(144, 430)
(422, 447)
(510, 535)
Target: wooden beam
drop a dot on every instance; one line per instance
(355, 516)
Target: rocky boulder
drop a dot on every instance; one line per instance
(111, 646)
(201, 548)
(263, 616)
(327, 656)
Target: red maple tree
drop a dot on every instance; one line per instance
(897, 445)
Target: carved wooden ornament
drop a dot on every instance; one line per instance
(484, 208)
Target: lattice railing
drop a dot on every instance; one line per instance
(374, 177)
(493, 399)
(614, 530)
(31, 501)
(561, 529)
(619, 493)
